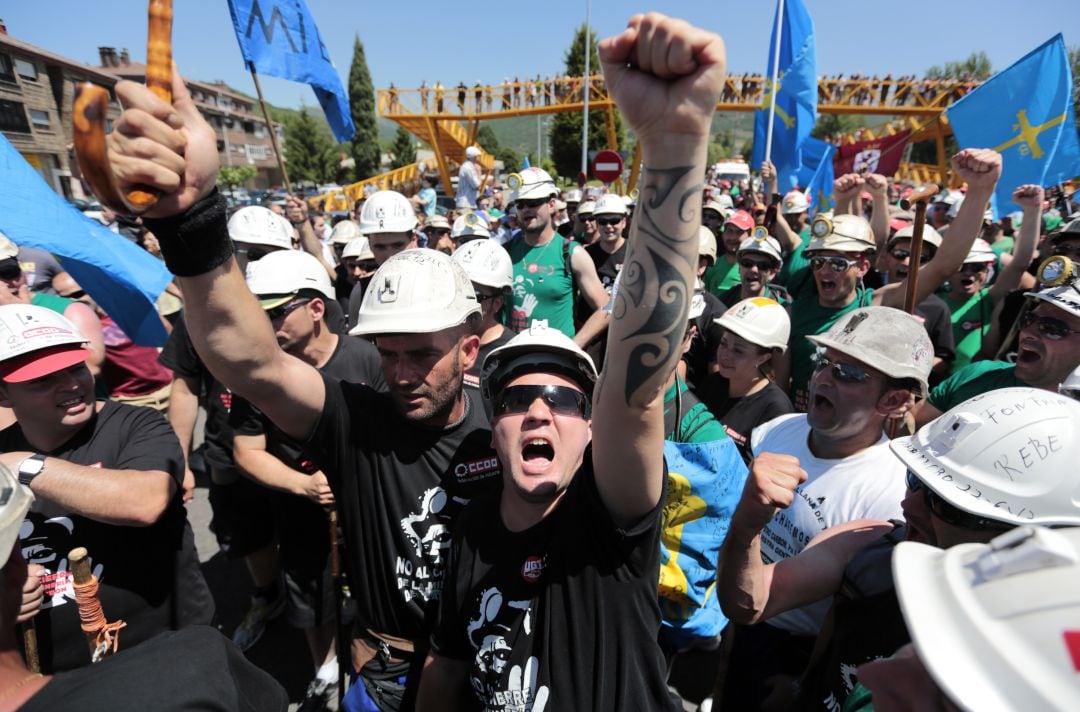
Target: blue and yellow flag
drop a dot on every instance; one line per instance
(816, 174)
(280, 39)
(1026, 114)
(796, 93)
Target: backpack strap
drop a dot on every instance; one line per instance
(567, 266)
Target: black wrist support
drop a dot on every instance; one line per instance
(195, 241)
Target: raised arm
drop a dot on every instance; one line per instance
(879, 219)
(174, 150)
(297, 213)
(980, 168)
(666, 78)
(845, 189)
(1030, 197)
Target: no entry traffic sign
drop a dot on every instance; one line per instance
(607, 166)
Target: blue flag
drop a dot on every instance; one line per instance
(796, 94)
(1025, 113)
(124, 279)
(816, 174)
(280, 39)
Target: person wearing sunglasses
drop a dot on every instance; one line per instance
(974, 291)
(895, 262)
(760, 261)
(549, 270)
(585, 230)
(841, 255)
(868, 368)
(1048, 350)
(256, 232)
(609, 252)
(492, 275)
(960, 475)
(725, 274)
(552, 598)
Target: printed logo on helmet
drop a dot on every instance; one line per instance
(533, 568)
(388, 290)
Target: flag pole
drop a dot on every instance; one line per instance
(586, 90)
(270, 128)
(775, 72)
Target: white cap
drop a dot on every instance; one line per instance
(1065, 297)
(980, 252)
(417, 291)
(277, 278)
(794, 202)
(610, 204)
(760, 321)
(8, 249)
(930, 236)
(531, 184)
(761, 242)
(486, 262)
(539, 349)
(883, 338)
(35, 341)
(718, 207)
(472, 152)
(996, 624)
(256, 225)
(344, 232)
(358, 247)
(469, 225)
(387, 211)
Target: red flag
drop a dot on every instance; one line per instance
(879, 155)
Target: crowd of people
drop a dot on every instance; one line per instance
(709, 444)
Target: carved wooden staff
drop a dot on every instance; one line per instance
(91, 107)
(101, 636)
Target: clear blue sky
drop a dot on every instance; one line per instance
(408, 41)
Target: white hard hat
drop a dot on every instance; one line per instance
(473, 152)
(469, 225)
(8, 249)
(996, 624)
(610, 204)
(438, 221)
(539, 349)
(15, 503)
(930, 236)
(762, 242)
(760, 321)
(360, 248)
(883, 338)
(718, 207)
(706, 243)
(844, 233)
(36, 342)
(417, 291)
(794, 202)
(257, 225)
(954, 208)
(980, 252)
(574, 196)
(586, 207)
(530, 184)
(344, 232)
(277, 278)
(486, 262)
(1008, 454)
(1066, 297)
(387, 211)
(1071, 385)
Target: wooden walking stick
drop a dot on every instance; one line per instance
(91, 107)
(101, 636)
(30, 646)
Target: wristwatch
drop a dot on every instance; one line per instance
(30, 468)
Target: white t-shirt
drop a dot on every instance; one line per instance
(468, 185)
(867, 485)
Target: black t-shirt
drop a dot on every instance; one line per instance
(472, 376)
(356, 297)
(148, 576)
(608, 264)
(740, 416)
(705, 342)
(936, 317)
(561, 616)
(399, 488)
(193, 669)
(180, 356)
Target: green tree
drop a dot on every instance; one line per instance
(365, 144)
(565, 133)
(487, 140)
(403, 150)
(829, 126)
(311, 154)
(229, 177)
(977, 66)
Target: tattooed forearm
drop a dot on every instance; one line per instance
(650, 310)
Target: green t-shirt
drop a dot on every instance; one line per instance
(697, 424)
(809, 318)
(1003, 245)
(860, 700)
(795, 274)
(972, 380)
(542, 287)
(721, 277)
(971, 318)
(50, 301)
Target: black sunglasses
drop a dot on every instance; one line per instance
(534, 203)
(842, 372)
(761, 265)
(1049, 326)
(285, 309)
(949, 514)
(608, 221)
(836, 264)
(974, 267)
(485, 296)
(255, 255)
(439, 232)
(562, 400)
(901, 255)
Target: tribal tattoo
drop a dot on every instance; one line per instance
(657, 280)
